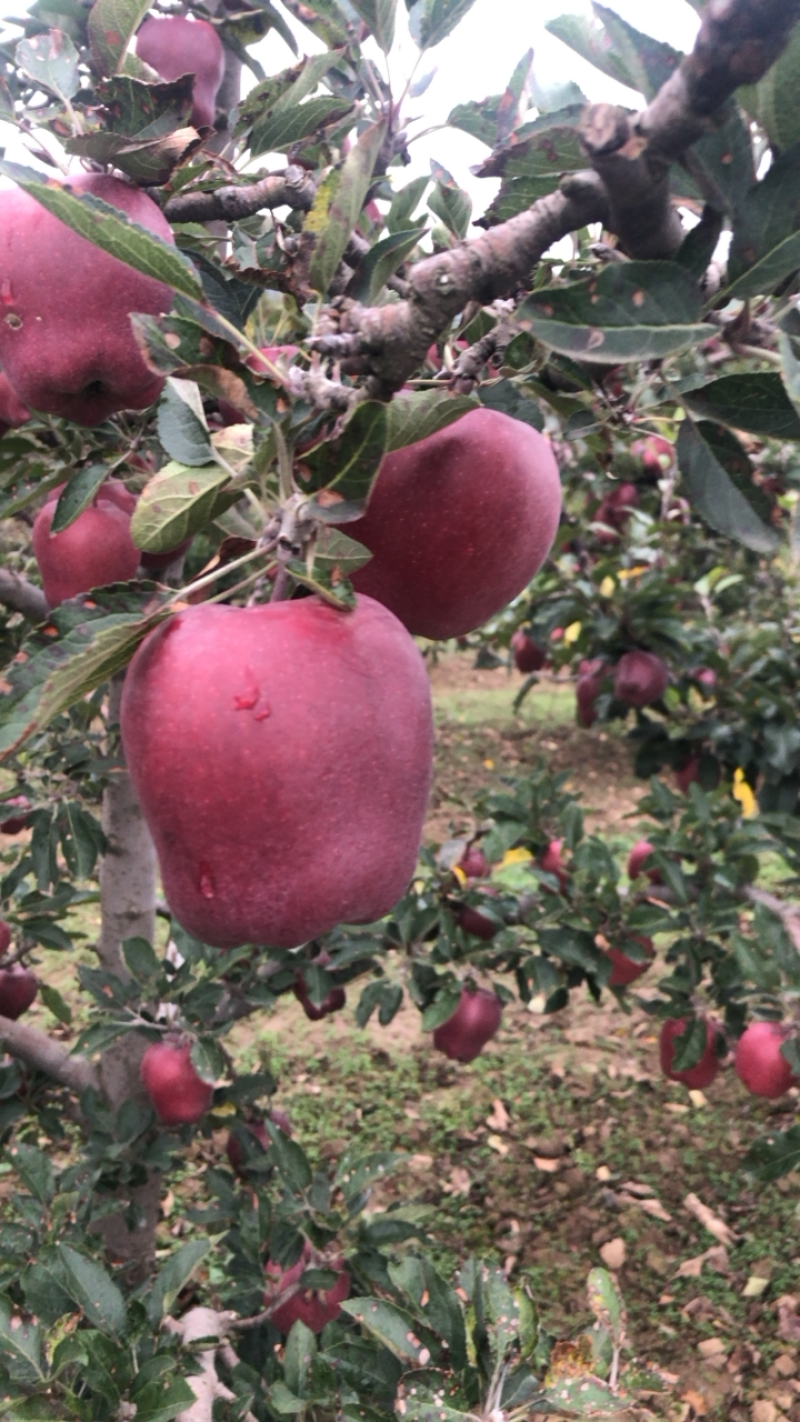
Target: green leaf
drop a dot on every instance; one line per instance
(449, 202)
(291, 1159)
(94, 1291)
(774, 1155)
(162, 1400)
(605, 1301)
(51, 60)
(417, 414)
(773, 101)
(381, 263)
(77, 495)
(55, 1003)
(346, 205)
(350, 463)
(586, 1397)
(22, 1341)
(631, 311)
(147, 162)
(648, 61)
(298, 1357)
(379, 15)
(111, 25)
(35, 1171)
(766, 235)
(208, 1060)
(173, 1276)
(755, 402)
(405, 203)
(432, 1395)
(711, 491)
(274, 110)
(588, 37)
(108, 228)
(443, 1006)
(182, 428)
(392, 1327)
(431, 21)
(140, 959)
(177, 502)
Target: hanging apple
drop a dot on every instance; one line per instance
(703, 1072)
(759, 1062)
(178, 1094)
(314, 1307)
(476, 1019)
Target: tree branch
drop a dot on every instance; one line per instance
(36, 1049)
(294, 188)
(22, 596)
(789, 914)
(200, 1325)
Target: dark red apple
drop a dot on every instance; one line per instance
(258, 1130)
(688, 774)
(12, 411)
(282, 757)
(177, 1094)
(640, 852)
(178, 44)
(314, 1307)
(474, 863)
(459, 523)
(624, 970)
(656, 453)
(18, 988)
(333, 1002)
(589, 684)
(528, 655)
(552, 863)
(66, 342)
(640, 678)
(95, 550)
(476, 923)
(15, 824)
(759, 1062)
(474, 1022)
(703, 1072)
(5, 937)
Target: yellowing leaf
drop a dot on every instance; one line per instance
(625, 573)
(516, 856)
(607, 587)
(572, 633)
(459, 873)
(743, 793)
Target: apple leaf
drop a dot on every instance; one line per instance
(162, 1401)
(772, 102)
(774, 1155)
(450, 203)
(649, 62)
(589, 38)
(394, 1328)
(605, 1301)
(182, 427)
(443, 1006)
(417, 414)
(112, 23)
(22, 1341)
(756, 402)
(55, 1003)
(711, 490)
(110, 229)
(585, 1397)
(178, 501)
(381, 263)
(345, 206)
(431, 21)
(380, 16)
(432, 1395)
(19, 489)
(94, 1291)
(147, 162)
(51, 60)
(766, 236)
(349, 464)
(77, 495)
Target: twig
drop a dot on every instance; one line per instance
(22, 596)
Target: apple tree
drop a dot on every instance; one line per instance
(267, 414)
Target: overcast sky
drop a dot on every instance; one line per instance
(476, 61)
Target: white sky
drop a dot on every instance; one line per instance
(476, 61)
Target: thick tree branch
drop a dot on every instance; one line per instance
(294, 187)
(197, 1327)
(22, 596)
(34, 1048)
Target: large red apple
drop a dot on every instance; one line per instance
(528, 655)
(176, 45)
(14, 824)
(759, 1062)
(459, 523)
(178, 1095)
(282, 757)
(314, 1307)
(474, 1022)
(66, 342)
(18, 988)
(640, 678)
(589, 684)
(704, 1071)
(623, 969)
(95, 550)
(333, 1002)
(12, 411)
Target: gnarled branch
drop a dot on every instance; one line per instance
(37, 1049)
(294, 187)
(22, 596)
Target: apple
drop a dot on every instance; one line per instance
(12, 410)
(66, 342)
(528, 655)
(476, 1019)
(589, 684)
(625, 970)
(688, 774)
(640, 678)
(474, 863)
(759, 1062)
(552, 863)
(95, 550)
(258, 1130)
(18, 988)
(476, 923)
(333, 1002)
(705, 677)
(314, 1307)
(656, 453)
(282, 757)
(178, 44)
(5, 937)
(459, 523)
(14, 824)
(636, 859)
(703, 1072)
(177, 1094)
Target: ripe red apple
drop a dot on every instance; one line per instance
(282, 757)
(640, 852)
(66, 342)
(624, 970)
(476, 1019)
(314, 1307)
(703, 1072)
(656, 453)
(528, 655)
(688, 774)
(591, 675)
(233, 1149)
(333, 1002)
(705, 677)
(552, 863)
(178, 44)
(474, 922)
(5, 937)
(18, 988)
(95, 550)
(759, 1062)
(640, 678)
(177, 1094)
(12, 411)
(14, 824)
(459, 523)
(474, 863)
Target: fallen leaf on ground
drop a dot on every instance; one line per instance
(696, 1401)
(716, 1258)
(788, 1319)
(754, 1287)
(497, 1143)
(614, 1253)
(543, 1162)
(709, 1220)
(460, 1182)
(499, 1120)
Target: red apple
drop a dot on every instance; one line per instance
(656, 453)
(282, 757)
(703, 1072)
(759, 1062)
(258, 1130)
(333, 1002)
(5, 937)
(459, 523)
(624, 970)
(18, 988)
(591, 675)
(640, 852)
(476, 923)
(12, 411)
(474, 1022)
(314, 1307)
(640, 678)
(66, 342)
(177, 1094)
(178, 44)
(705, 677)
(95, 550)
(474, 863)
(552, 863)
(688, 774)
(528, 655)
(15, 824)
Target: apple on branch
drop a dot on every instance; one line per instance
(177, 1092)
(314, 1307)
(704, 1071)
(95, 550)
(759, 1061)
(475, 1021)
(174, 45)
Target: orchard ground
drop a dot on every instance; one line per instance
(562, 1146)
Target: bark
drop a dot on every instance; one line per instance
(22, 596)
(34, 1048)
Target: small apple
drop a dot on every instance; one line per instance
(759, 1062)
(591, 675)
(705, 677)
(476, 1019)
(313, 1307)
(636, 859)
(528, 655)
(656, 453)
(334, 1002)
(640, 678)
(177, 1094)
(18, 988)
(97, 549)
(15, 824)
(258, 1130)
(178, 44)
(624, 970)
(703, 1072)
(474, 863)
(552, 863)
